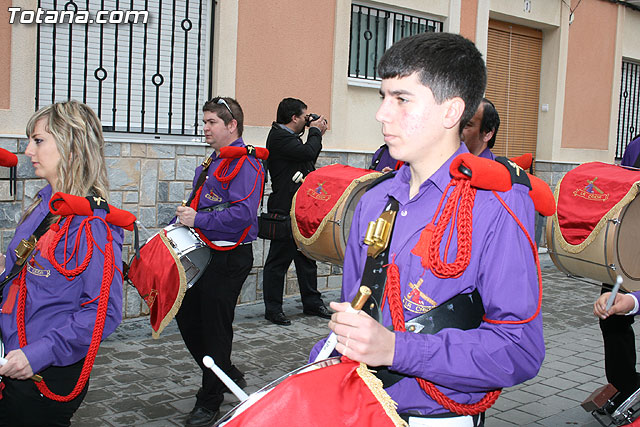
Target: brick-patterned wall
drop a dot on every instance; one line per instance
(150, 180)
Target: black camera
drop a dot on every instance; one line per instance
(311, 118)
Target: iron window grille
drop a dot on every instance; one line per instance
(374, 30)
(629, 108)
(146, 78)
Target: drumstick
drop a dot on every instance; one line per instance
(36, 377)
(614, 291)
(231, 385)
(183, 204)
(357, 303)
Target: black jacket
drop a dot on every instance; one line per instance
(287, 155)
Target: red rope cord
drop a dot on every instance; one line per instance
(226, 179)
(101, 312)
(534, 249)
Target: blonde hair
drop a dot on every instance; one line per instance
(77, 132)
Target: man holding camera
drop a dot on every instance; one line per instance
(288, 155)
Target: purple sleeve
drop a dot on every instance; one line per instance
(66, 344)
(493, 355)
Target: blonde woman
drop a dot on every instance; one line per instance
(71, 286)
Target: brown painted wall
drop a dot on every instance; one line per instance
(468, 19)
(5, 55)
(590, 68)
(285, 49)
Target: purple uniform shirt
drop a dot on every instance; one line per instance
(487, 154)
(58, 325)
(229, 223)
(464, 364)
(385, 159)
(631, 153)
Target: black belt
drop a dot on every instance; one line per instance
(464, 311)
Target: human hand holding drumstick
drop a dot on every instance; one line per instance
(360, 337)
(186, 215)
(610, 303)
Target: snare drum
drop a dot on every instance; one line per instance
(596, 229)
(330, 392)
(169, 263)
(323, 207)
(193, 253)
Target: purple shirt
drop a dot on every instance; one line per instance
(58, 326)
(487, 154)
(464, 364)
(243, 194)
(631, 153)
(385, 159)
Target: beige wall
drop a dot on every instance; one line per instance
(22, 75)
(630, 33)
(5, 55)
(468, 15)
(284, 50)
(590, 69)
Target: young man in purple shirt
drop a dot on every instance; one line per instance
(479, 135)
(431, 86)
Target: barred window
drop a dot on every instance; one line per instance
(147, 78)
(374, 30)
(629, 110)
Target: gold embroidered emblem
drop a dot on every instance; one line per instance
(99, 200)
(417, 301)
(213, 196)
(317, 193)
(591, 192)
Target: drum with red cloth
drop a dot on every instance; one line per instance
(331, 392)
(596, 229)
(323, 208)
(169, 263)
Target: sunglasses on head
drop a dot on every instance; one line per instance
(221, 101)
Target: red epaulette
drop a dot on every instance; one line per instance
(500, 175)
(66, 204)
(230, 152)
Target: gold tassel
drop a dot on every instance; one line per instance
(375, 386)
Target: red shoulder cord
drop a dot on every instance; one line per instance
(461, 201)
(103, 299)
(225, 178)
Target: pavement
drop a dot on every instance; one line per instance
(140, 381)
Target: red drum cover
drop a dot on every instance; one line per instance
(159, 277)
(321, 192)
(345, 394)
(589, 195)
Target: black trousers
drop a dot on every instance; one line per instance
(281, 253)
(23, 405)
(620, 354)
(206, 317)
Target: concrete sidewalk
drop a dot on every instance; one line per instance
(144, 382)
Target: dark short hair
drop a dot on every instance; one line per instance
(289, 107)
(490, 120)
(448, 64)
(214, 106)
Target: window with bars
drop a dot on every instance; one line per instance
(138, 77)
(629, 109)
(374, 30)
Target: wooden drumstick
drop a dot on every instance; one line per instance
(183, 204)
(358, 302)
(231, 385)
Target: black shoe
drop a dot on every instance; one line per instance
(277, 318)
(200, 416)
(320, 311)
